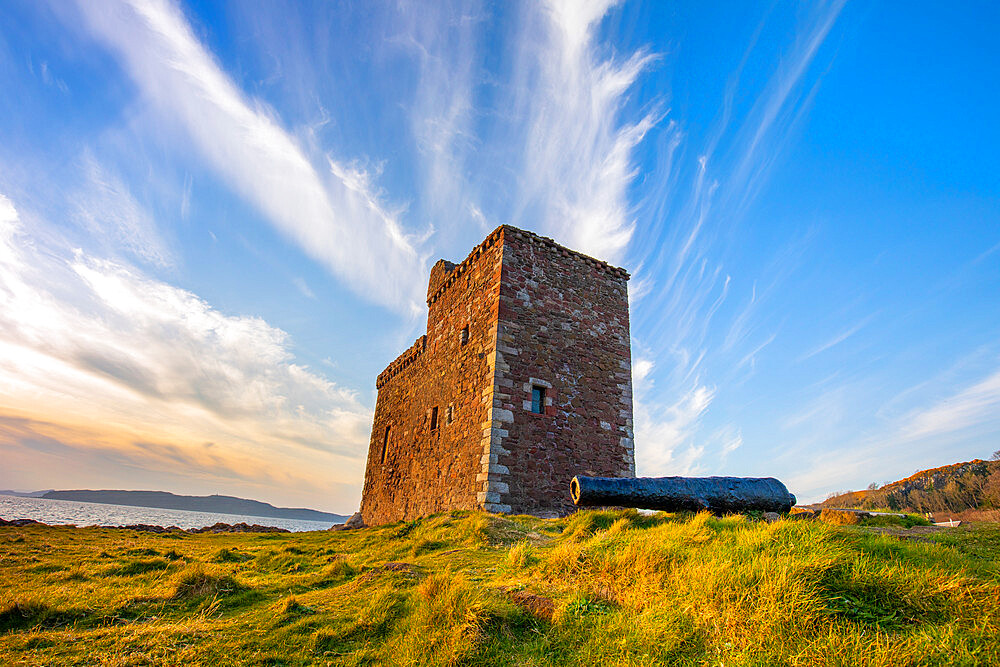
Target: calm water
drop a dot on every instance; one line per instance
(88, 514)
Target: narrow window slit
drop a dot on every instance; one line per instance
(385, 444)
(538, 400)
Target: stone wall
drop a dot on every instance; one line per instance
(563, 326)
(427, 470)
(537, 315)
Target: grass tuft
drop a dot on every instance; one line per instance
(144, 551)
(837, 518)
(230, 556)
(521, 555)
(448, 618)
(196, 581)
(134, 568)
(291, 606)
(23, 614)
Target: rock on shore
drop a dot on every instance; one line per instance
(147, 528)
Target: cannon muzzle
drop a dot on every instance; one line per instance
(677, 494)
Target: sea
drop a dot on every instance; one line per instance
(53, 511)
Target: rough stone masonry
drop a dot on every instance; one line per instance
(522, 381)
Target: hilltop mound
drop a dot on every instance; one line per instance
(955, 488)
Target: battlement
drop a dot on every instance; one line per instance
(449, 272)
(402, 362)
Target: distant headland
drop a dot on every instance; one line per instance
(166, 500)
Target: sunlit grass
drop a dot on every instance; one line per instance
(600, 587)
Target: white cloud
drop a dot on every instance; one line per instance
(732, 443)
(86, 340)
(778, 107)
(577, 153)
(970, 407)
(831, 452)
(337, 220)
(664, 433)
(836, 340)
(108, 210)
(303, 287)
(442, 39)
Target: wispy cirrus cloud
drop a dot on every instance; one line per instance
(110, 213)
(973, 406)
(850, 431)
(444, 41)
(666, 430)
(542, 141)
(86, 340)
(346, 228)
(688, 321)
(838, 339)
(577, 149)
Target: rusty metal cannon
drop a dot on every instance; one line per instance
(677, 494)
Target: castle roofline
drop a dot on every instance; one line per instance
(456, 270)
(402, 362)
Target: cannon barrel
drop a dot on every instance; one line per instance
(676, 494)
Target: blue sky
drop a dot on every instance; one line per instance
(217, 219)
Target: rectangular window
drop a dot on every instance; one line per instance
(449, 415)
(538, 400)
(434, 418)
(385, 444)
(465, 335)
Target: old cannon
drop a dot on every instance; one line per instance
(676, 494)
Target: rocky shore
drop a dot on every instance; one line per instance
(147, 528)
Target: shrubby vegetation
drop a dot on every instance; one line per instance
(957, 488)
(471, 588)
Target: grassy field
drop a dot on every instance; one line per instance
(471, 588)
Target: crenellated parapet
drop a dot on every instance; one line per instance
(444, 274)
(402, 362)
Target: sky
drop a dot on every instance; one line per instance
(217, 221)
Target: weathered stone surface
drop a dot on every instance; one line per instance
(353, 523)
(241, 527)
(519, 312)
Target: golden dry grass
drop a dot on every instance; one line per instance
(472, 588)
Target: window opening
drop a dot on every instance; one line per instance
(434, 418)
(449, 415)
(385, 444)
(465, 334)
(538, 400)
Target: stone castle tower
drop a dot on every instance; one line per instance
(522, 380)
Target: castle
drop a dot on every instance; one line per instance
(522, 381)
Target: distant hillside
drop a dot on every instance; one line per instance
(23, 494)
(214, 504)
(952, 488)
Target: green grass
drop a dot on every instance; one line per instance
(472, 588)
(905, 521)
